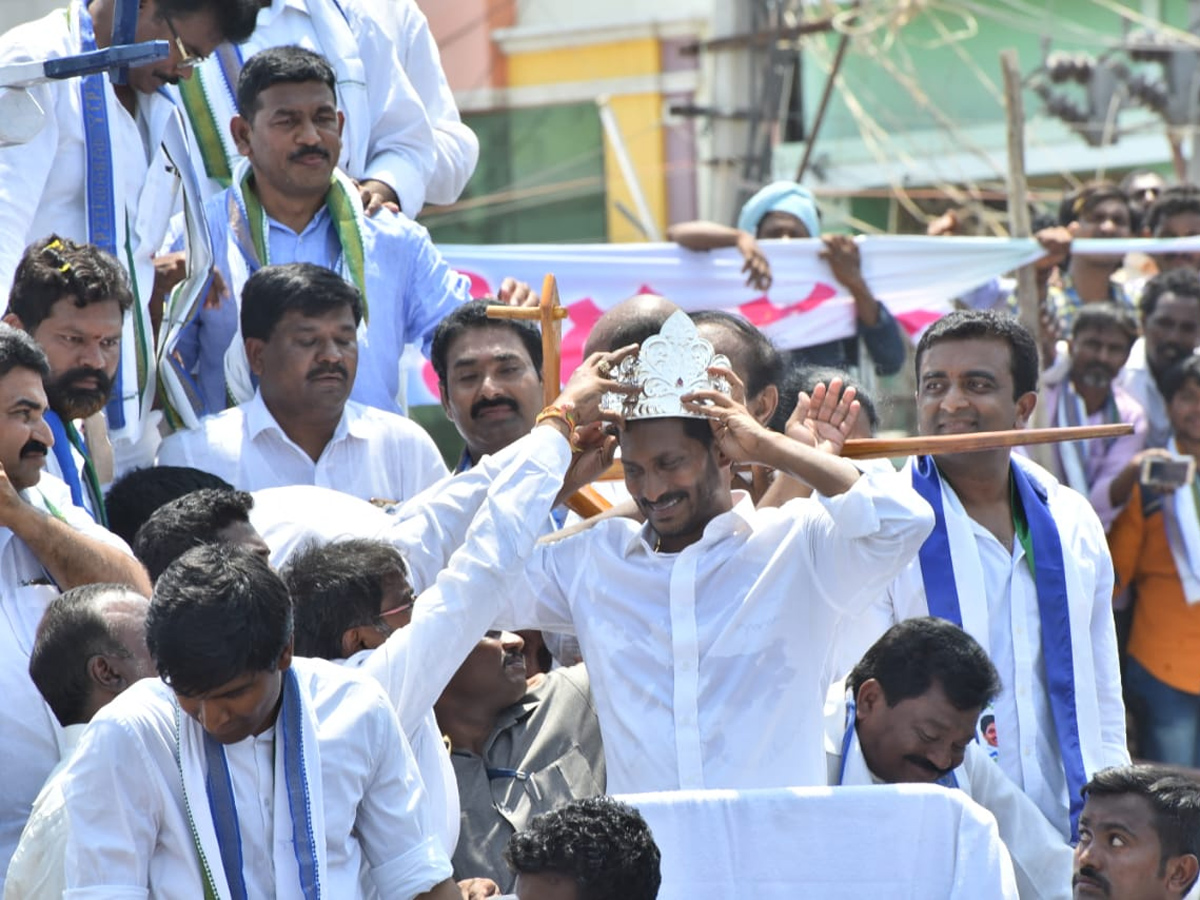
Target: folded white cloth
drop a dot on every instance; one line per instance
(809, 842)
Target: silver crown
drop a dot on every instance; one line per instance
(668, 365)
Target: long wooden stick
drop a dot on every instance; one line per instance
(933, 445)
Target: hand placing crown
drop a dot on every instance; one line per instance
(671, 364)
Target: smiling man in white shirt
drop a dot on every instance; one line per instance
(682, 619)
(1044, 614)
(907, 713)
(301, 324)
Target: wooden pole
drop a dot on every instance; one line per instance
(834, 70)
(587, 502)
(1030, 309)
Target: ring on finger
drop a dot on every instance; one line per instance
(604, 368)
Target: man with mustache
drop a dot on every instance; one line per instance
(1019, 561)
(1139, 836)
(110, 167)
(72, 298)
(1103, 471)
(1170, 311)
(908, 713)
(489, 377)
(290, 203)
(301, 327)
(47, 545)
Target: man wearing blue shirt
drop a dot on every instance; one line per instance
(288, 203)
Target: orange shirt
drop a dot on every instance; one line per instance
(1165, 637)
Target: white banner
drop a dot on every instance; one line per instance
(915, 277)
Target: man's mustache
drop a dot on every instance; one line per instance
(925, 764)
(480, 405)
(66, 382)
(34, 446)
(1091, 874)
(309, 151)
(333, 369)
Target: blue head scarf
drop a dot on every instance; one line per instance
(782, 196)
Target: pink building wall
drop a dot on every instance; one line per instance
(463, 31)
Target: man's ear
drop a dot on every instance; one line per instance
(1182, 872)
(102, 673)
(352, 641)
(285, 658)
(239, 128)
(445, 398)
(870, 697)
(254, 354)
(1025, 405)
(764, 405)
(12, 320)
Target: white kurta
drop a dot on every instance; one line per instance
(373, 454)
(457, 146)
(129, 831)
(417, 662)
(1042, 860)
(1004, 618)
(30, 737)
(37, 868)
(707, 665)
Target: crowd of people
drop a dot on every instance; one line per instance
(258, 641)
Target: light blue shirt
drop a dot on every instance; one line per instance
(410, 288)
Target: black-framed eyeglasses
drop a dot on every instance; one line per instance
(187, 60)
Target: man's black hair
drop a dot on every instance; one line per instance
(1183, 371)
(473, 314)
(19, 351)
(971, 325)
(55, 268)
(217, 614)
(193, 520)
(1173, 797)
(1103, 317)
(336, 587)
(1076, 204)
(1174, 201)
(72, 631)
(1181, 282)
(135, 496)
(915, 654)
(762, 362)
(987, 720)
(280, 65)
(311, 290)
(806, 378)
(235, 18)
(600, 843)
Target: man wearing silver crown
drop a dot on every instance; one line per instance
(706, 629)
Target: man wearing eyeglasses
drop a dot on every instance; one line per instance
(110, 167)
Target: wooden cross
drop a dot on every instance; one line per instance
(549, 313)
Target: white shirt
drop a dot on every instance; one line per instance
(1029, 752)
(387, 135)
(36, 870)
(30, 737)
(373, 454)
(1042, 860)
(457, 146)
(129, 832)
(707, 664)
(1138, 380)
